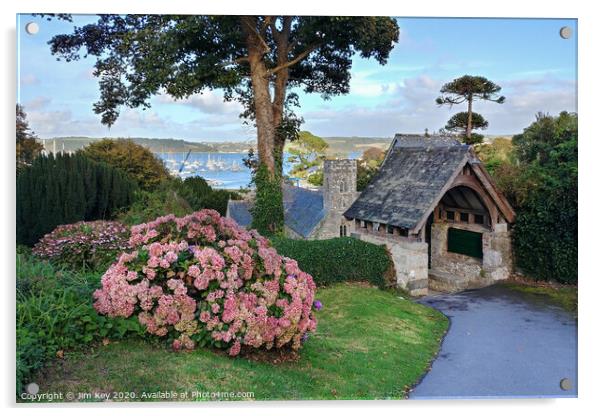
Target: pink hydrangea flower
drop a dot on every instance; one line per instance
(205, 274)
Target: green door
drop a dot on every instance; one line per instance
(465, 242)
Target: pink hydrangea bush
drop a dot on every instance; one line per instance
(202, 279)
(91, 245)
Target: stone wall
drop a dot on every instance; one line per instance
(340, 183)
(329, 227)
(339, 190)
(410, 259)
(453, 271)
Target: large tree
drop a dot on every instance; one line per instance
(28, 148)
(254, 59)
(466, 89)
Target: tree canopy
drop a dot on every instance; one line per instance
(28, 148)
(133, 159)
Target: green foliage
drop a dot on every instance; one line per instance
(542, 141)
(459, 121)
(136, 160)
(28, 148)
(546, 225)
(149, 205)
(199, 195)
(55, 313)
(316, 178)
(540, 180)
(368, 166)
(64, 189)
(467, 88)
(306, 152)
(178, 197)
(342, 259)
(494, 154)
(168, 52)
(268, 211)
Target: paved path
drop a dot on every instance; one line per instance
(501, 343)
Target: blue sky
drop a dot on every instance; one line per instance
(535, 67)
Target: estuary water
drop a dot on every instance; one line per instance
(221, 170)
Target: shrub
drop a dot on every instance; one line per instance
(149, 205)
(199, 195)
(202, 279)
(64, 189)
(84, 245)
(540, 179)
(137, 161)
(339, 260)
(54, 313)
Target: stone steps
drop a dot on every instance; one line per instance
(440, 281)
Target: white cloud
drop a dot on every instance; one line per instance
(411, 108)
(37, 103)
(209, 102)
(29, 79)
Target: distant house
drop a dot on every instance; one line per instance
(438, 211)
(312, 214)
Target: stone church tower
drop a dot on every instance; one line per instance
(339, 192)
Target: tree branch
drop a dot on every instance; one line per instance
(256, 32)
(293, 61)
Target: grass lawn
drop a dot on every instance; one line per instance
(562, 295)
(369, 345)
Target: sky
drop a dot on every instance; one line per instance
(534, 65)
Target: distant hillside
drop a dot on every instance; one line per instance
(155, 145)
(345, 145)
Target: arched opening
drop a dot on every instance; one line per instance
(463, 205)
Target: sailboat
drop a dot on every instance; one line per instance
(211, 165)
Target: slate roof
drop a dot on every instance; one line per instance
(412, 176)
(303, 210)
(239, 212)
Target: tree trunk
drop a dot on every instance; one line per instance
(264, 117)
(280, 84)
(469, 122)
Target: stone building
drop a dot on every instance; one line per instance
(441, 216)
(313, 214)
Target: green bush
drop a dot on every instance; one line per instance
(340, 260)
(64, 189)
(54, 313)
(149, 205)
(136, 160)
(539, 177)
(199, 195)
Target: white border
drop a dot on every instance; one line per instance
(590, 151)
